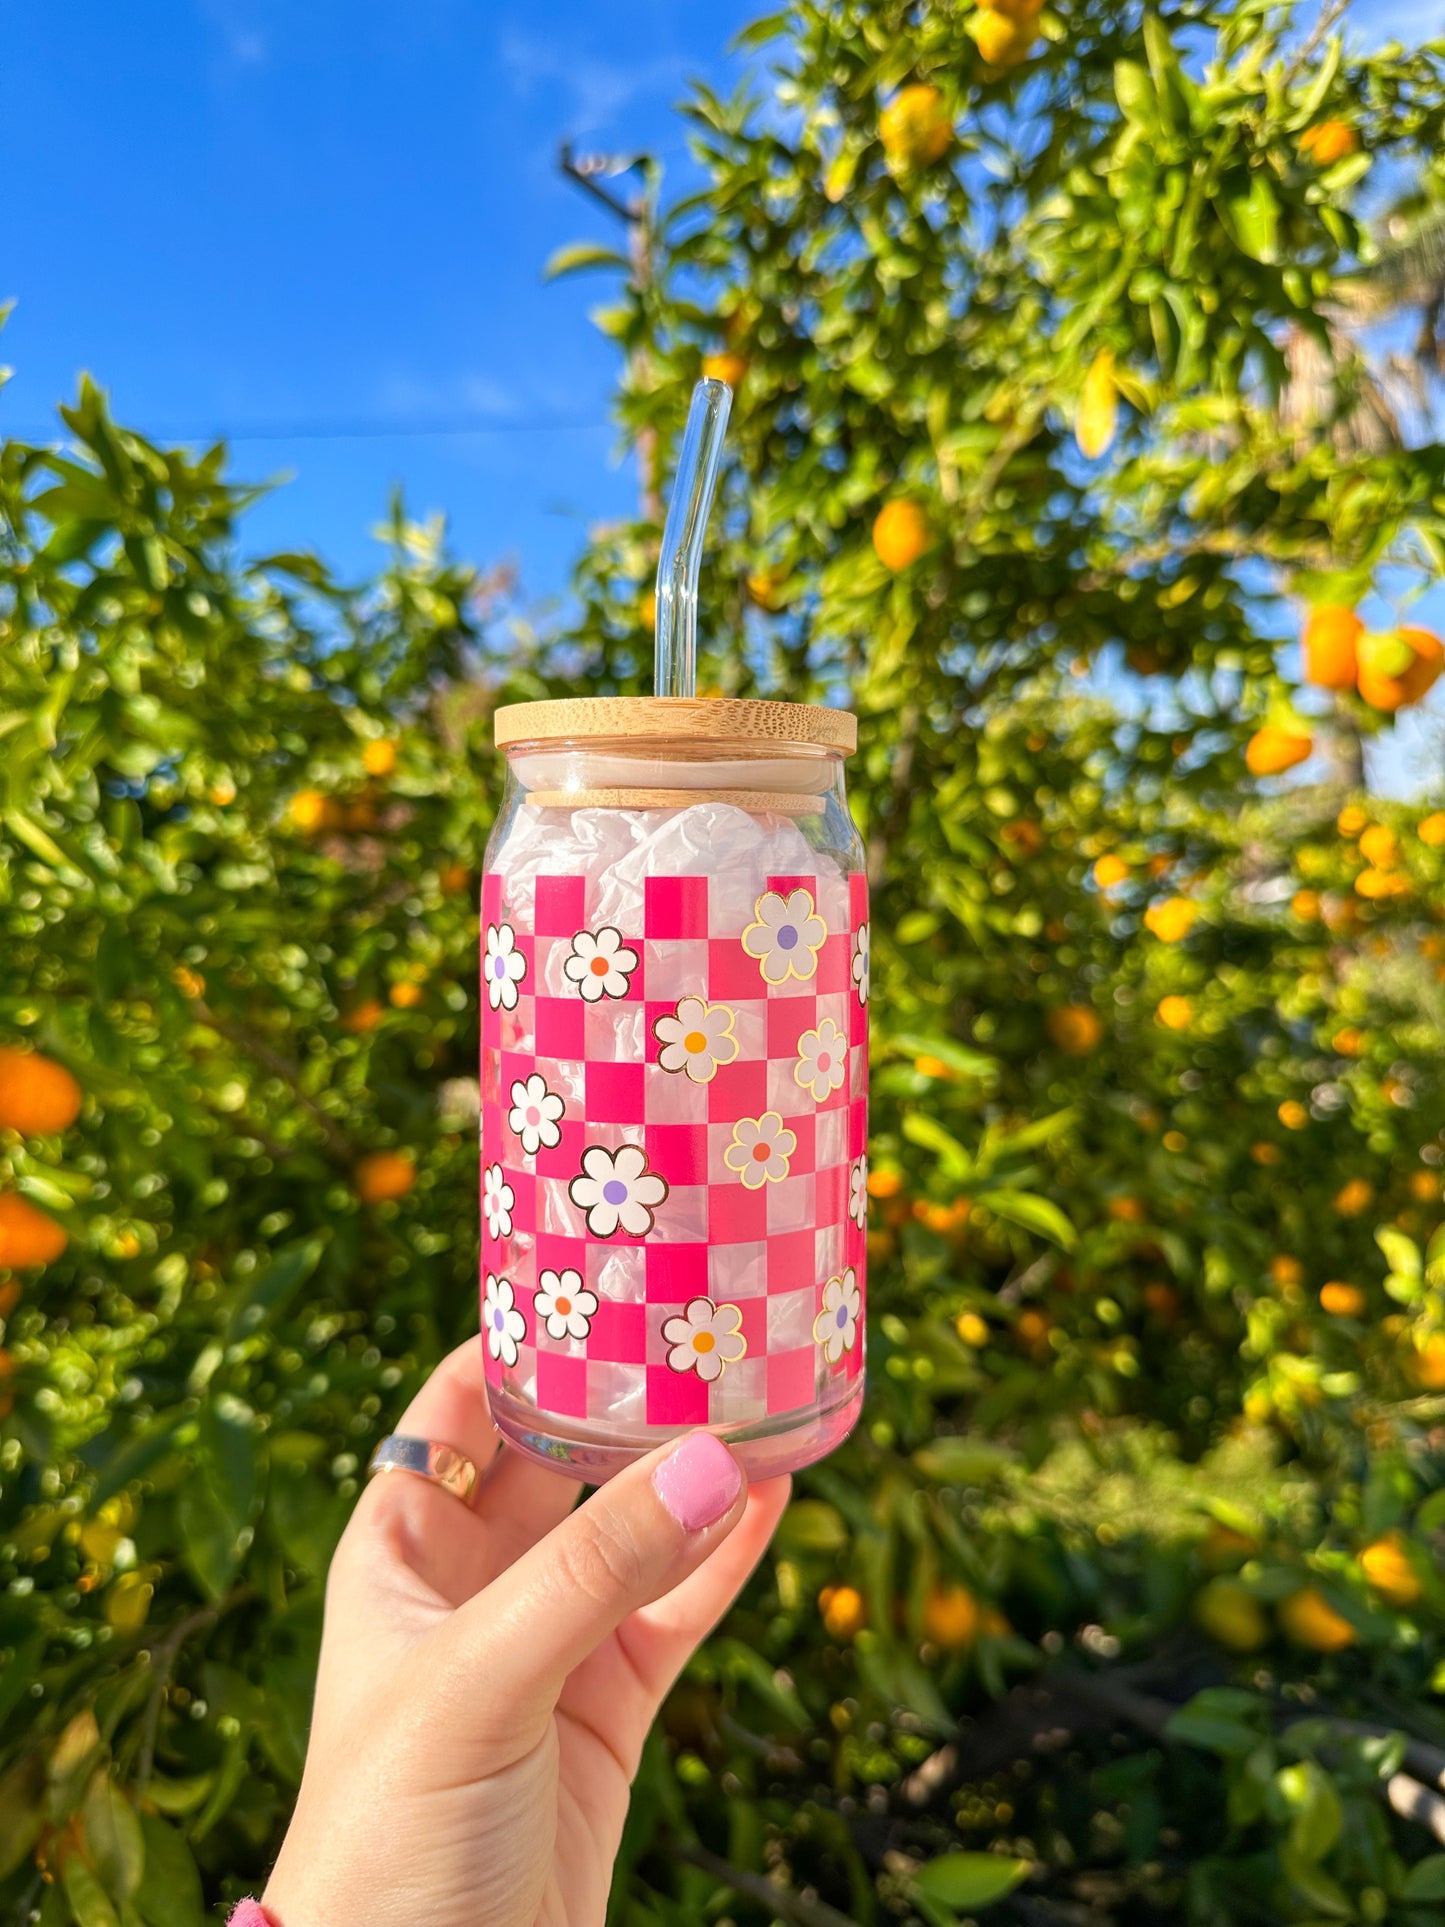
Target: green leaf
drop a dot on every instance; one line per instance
(1426, 1879)
(1135, 93)
(926, 1131)
(277, 1283)
(113, 1839)
(1032, 1214)
(812, 1525)
(962, 1460)
(583, 254)
(88, 1900)
(170, 1893)
(968, 1880)
(1309, 1795)
(1402, 1254)
(22, 1810)
(1252, 219)
(1212, 1732)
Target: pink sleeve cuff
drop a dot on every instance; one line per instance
(250, 1913)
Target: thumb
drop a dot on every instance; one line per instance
(633, 1540)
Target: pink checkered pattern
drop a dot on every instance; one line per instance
(769, 1251)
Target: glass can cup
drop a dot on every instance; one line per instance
(674, 1074)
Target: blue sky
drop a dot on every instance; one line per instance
(255, 215)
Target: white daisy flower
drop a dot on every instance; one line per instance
(787, 935)
(564, 1304)
(836, 1326)
(704, 1338)
(535, 1112)
(760, 1149)
(503, 1324)
(696, 1038)
(860, 963)
(858, 1192)
(503, 967)
(600, 964)
(615, 1188)
(822, 1060)
(498, 1198)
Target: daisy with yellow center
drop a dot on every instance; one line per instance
(696, 1038)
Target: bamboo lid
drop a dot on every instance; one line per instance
(690, 719)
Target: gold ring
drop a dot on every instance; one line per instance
(442, 1464)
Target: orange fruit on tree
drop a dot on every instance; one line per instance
(916, 128)
(1342, 1301)
(1376, 885)
(38, 1097)
(1075, 1028)
(1032, 1329)
(1329, 646)
(406, 996)
(843, 1611)
(1327, 141)
(309, 811)
(1231, 1615)
(27, 1236)
(1354, 1196)
(901, 533)
(1014, 9)
(1293, 1115)
(884, 1184)
(1309, 1619)
(1172, 920)
(363, 1017)
(1002, 41)
(1263, 1152)
(1398, 668)
(1175, 1012)
(382, 1176)
(1285, 1269)
(1390, 1569)
(1349, 1042)
(1428, 1365)
(727, 366)
(1110, 871)
(766, 588)
(1431, 829)
(378, 758)
(1162, 1300)
(1127, 1210)
(972, 1329)
(1351, 820)
(1305, 904)
(1425, 1186)
(950, 1617)
(1226, 1545)
(1272, 749)
(1379, 845)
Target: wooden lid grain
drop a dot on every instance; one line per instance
(691, 719)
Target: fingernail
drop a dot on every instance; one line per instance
(698, 1482)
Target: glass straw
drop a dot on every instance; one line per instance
(678, 566)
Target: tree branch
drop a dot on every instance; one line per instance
(799, 1909)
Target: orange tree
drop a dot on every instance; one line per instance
(1123, 1604)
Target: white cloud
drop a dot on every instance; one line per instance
(595, 91)
(244, 44)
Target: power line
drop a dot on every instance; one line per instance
(362, 429)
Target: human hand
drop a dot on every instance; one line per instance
(489, 1671)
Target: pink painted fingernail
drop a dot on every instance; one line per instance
(698, 1482)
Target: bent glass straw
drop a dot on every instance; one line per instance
(678, 566)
